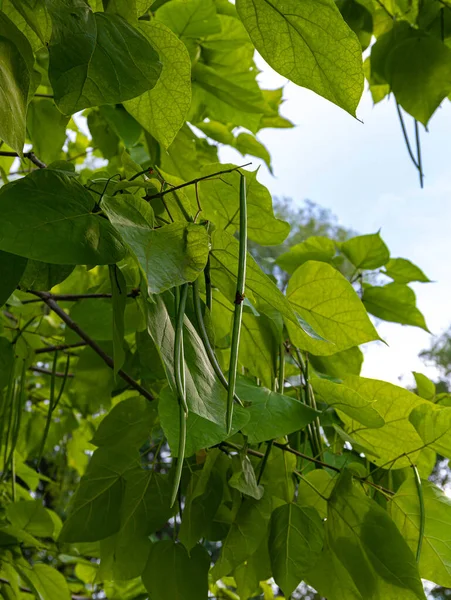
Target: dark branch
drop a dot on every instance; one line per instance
(48, 372)
(30, 155)
(58, 347)
(52, 304)
(193, 182)
(72, 297)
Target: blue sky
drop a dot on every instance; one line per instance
(362, 172)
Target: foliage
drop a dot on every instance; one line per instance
(173, 424)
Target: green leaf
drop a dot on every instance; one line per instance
(397, 443)
(145, 509)
(418, 70)
(129, 422)
(425, 387)
(123, 124)
(224, 263)
(314, 248)
(370, 546)
(366, 251)
(433, 423)
(97, 58)
(31, 516)
(328, 302)
(310, 44)
(349, 401)
(278, 475)
(295, 542)
(200, 431)
(103, 135)
(95, 508)
(219, 198)
(47, 129)
(246, 143)
(394, 302)
(162, 111)
(119, 293)
(347, 362)
(17, 61)
(402, 270)
(272, 415)
(203, 498)
(311, 486)
(36, 18)
(171, 573)
(12, 267)
(43, 276)
(243, 478)
(170, 255)
(405, 512)
(48, 583)
(248, 530)
(48, 216)
(190, 18)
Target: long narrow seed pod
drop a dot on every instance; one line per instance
(281, 373)
(179, 372)
(238, 315)
(16, 408)
(208, 288)
(313, 428)
(422, 511)
(8, 413)
(179, 362)
(206, 341)
(49, 412)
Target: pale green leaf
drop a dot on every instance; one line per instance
(328, 302)
(47, 129)
(433, 424)
(347, 362)
(162, 111)
(246, 143)
(366, 251)
(402, 270)
(243, 478)
(425, 387)
(435, 550)
(314, 248)
(309, 43)
(394, 302)
(31, 516)
(190, 18)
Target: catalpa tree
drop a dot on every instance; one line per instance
(173, 425)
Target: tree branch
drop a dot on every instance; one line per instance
(58, 347)
(52, 304)
(193, 182)
(49, 372)
(73, 297)
(30, 155)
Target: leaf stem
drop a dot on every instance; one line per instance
(206, 341)
(238, 314)
(30, 155)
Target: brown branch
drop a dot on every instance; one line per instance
(58, 347)
(30, 155)
(48, 372)
(193, 182)
(73, 297)
(52, 304)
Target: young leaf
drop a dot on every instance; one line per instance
(394, 302)
(295, 542)
(366, 251)
(272, 415)
(314, 248)
(402, 270)
(190, 18)
(171, 573)
(243, 478)
(97, 58)
(162, 111)
(370, 546)
(425, 387)
(405, 512)
(327, 301)
(310, 44)
(48, 216)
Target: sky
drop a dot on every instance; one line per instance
(361, 171)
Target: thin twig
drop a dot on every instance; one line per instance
(52, 304)
(58, 347)
(73, 297)
(45, 371)
(30, 155)
(193, 182)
